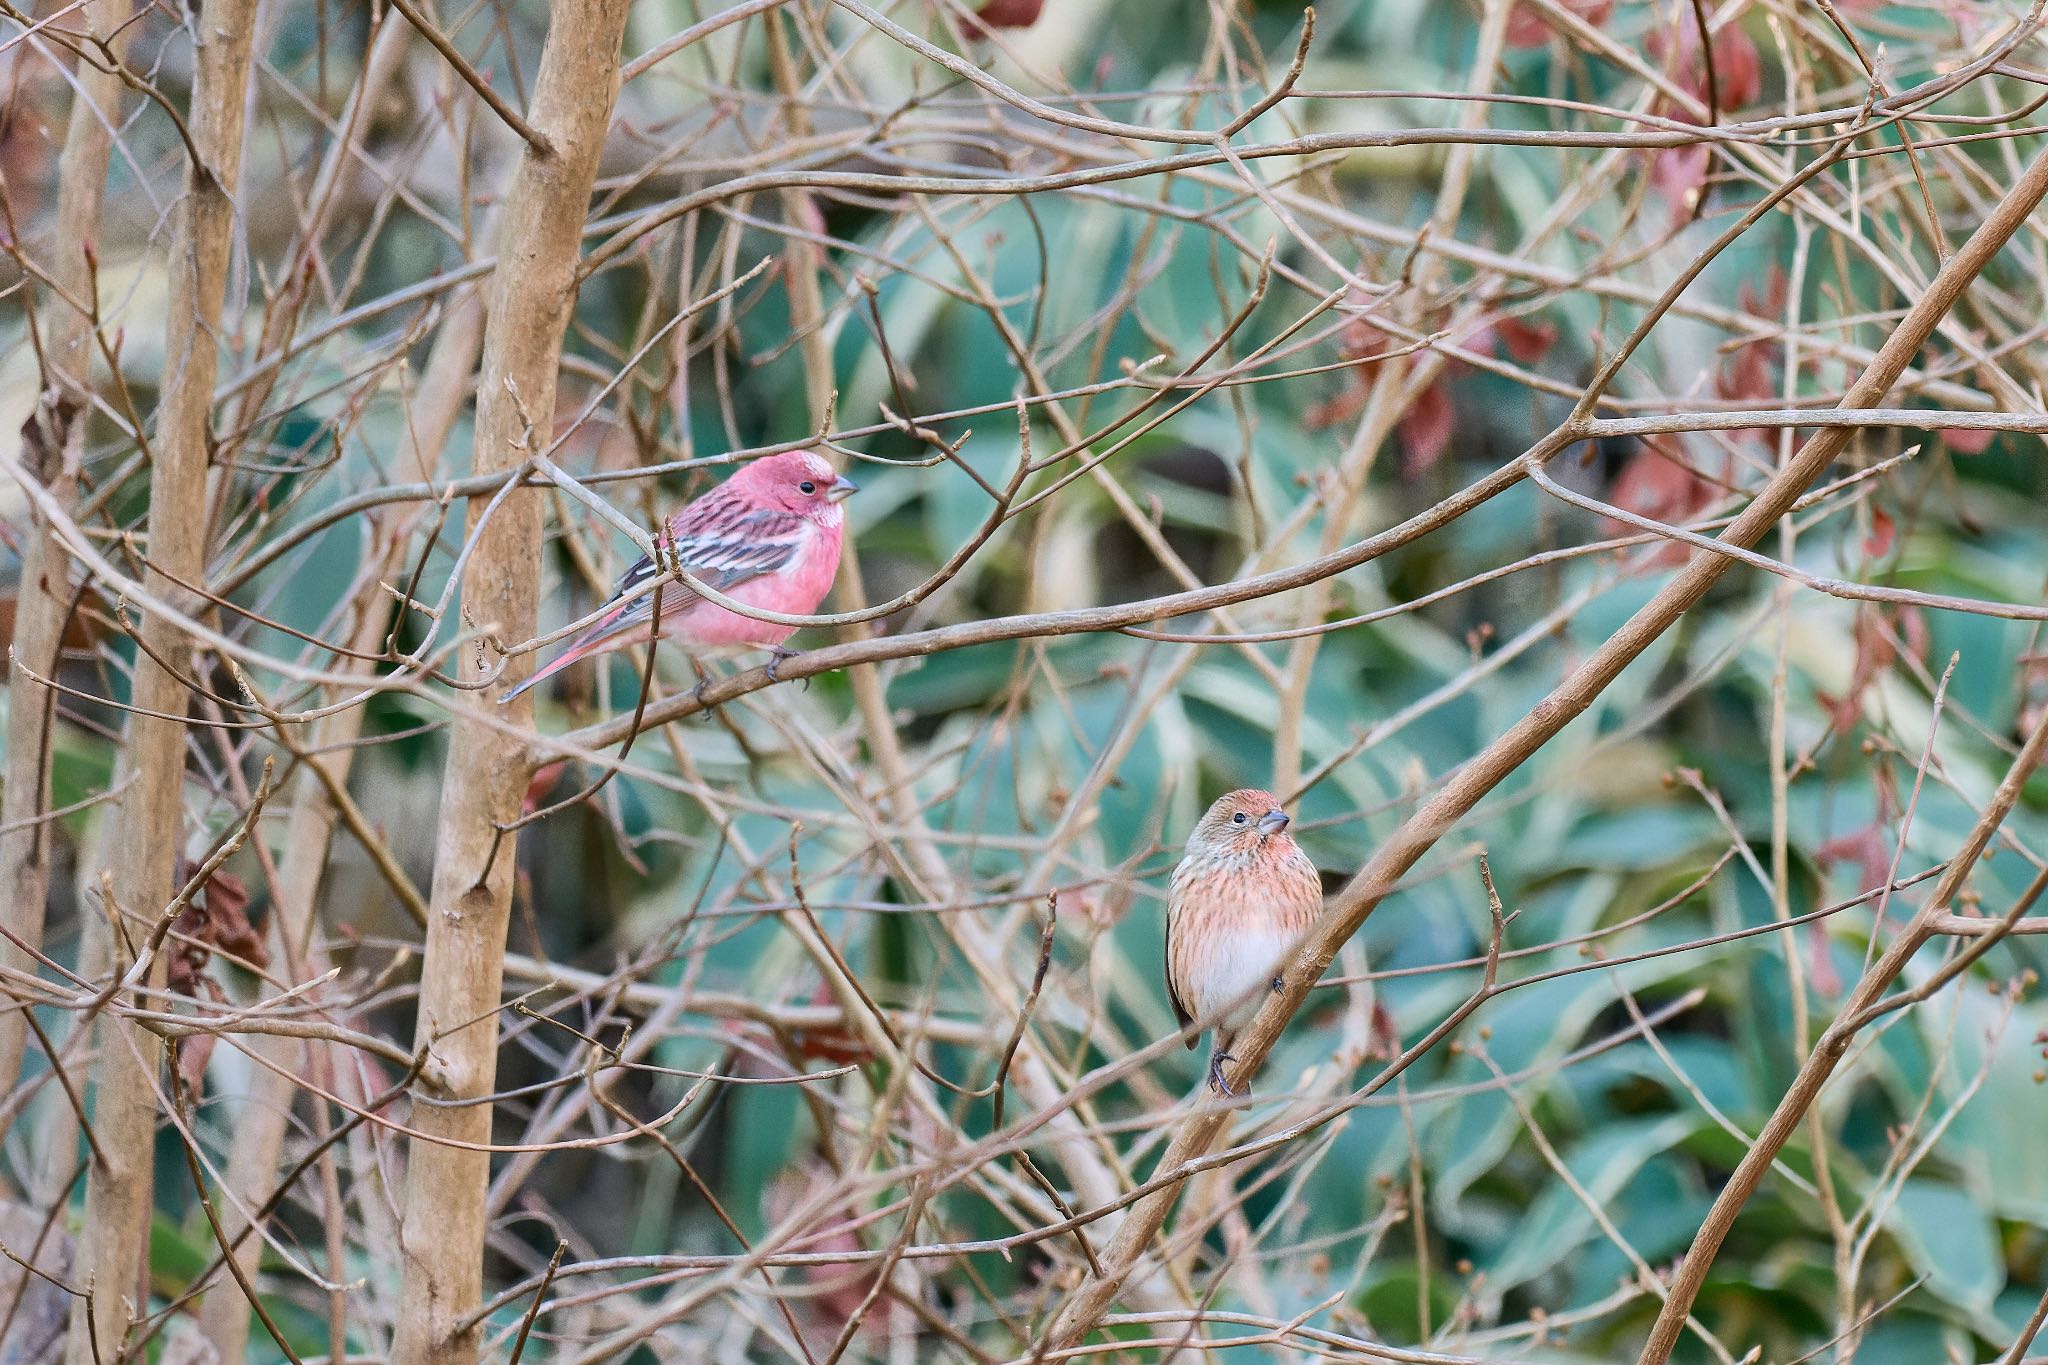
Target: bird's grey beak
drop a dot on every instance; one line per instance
(840, 489)
(1272, 822)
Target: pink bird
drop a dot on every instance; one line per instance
(1237, 907)
(768, 536)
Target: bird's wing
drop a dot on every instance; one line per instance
(722, 546)
(721, 541)
(1173, 914)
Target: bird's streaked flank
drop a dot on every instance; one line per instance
(768, 537)
(1238, 904)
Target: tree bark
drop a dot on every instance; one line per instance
(532, 293)
(114, 1243)
(45, 596)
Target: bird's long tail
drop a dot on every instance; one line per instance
(624, 625)
(550, 668)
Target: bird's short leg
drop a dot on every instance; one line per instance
(776, 654)
(1216, 1081)
(697, 692)
(1279, 984)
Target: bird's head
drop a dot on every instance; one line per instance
(799, 481)
(1243, 823)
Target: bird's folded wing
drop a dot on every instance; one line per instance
(1173, 913)
(722, 552)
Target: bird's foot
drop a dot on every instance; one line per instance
(1216, 1081)
(697, 695)
(1279, 984)
(776, 655)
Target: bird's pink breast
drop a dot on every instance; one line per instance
(1234, 924)
(797, 588)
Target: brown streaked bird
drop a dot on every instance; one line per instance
(1237, 907)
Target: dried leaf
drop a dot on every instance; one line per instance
(1656, 484)
(1738, 66)
(1529, 26)
(44, 434)
(1425, 433)
(1679, 174)
(837, 1044)
(1865, 847)
(1343, 405)
(217, 920)
(995, 14)
(542, 782)
(1526, 342)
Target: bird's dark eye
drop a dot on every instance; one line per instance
(807, 487)
(1238, 818)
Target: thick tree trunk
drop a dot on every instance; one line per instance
(531, 297)
(45, 596)
(115, 1239)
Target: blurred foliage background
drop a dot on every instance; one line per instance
(1776, 755)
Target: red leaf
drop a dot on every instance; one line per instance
(542, 782)
(1528, 26)
(1747, 377)
(1865, 847)
(1913, 626)
(1967, 440)
(1426, 431)
(1883, 531)
(1875, 652)
(1827, 982)
(839, 1044)
(837, 1289)
(1656, 483)
(1738, 66)
(1526, 342)
(996, 14)
(1360, 339)
(193, 1052)
(1679, 174)
(1771, 303)
(1386, 1034)
(1342, 406)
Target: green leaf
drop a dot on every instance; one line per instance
(1558, 1221)
(1949, 1238)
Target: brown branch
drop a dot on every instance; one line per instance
(43, 601)
(148, 826)
(447, 1178)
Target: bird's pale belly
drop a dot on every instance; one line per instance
(1239, 975)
